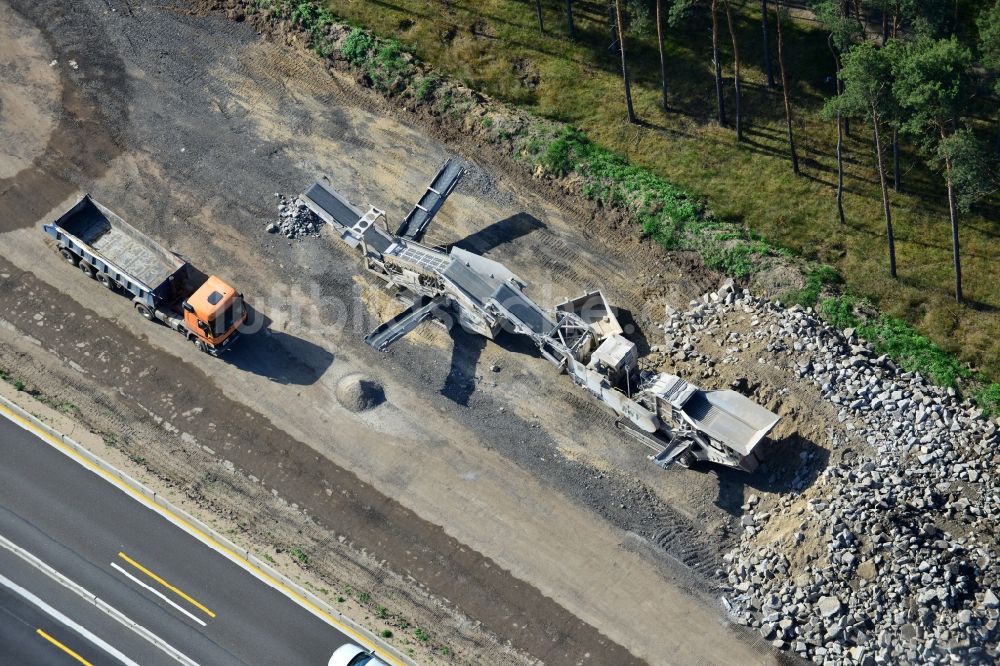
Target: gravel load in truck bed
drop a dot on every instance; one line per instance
(119, 243)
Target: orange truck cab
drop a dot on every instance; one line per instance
(163, 285)
(213, 313)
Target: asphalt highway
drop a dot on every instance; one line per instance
(198, 604)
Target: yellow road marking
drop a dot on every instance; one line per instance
(167, 585)
(202, 536)
(63, 647)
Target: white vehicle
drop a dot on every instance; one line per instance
(354, 655)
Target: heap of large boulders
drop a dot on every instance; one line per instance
(294, 219)
(890, 555)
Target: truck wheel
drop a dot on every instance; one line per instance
(106, 281)
(145, 311)
(686, 460)
(87, 269)
(68, 255)
(202, 347)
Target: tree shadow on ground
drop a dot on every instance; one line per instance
(276, 355)
(980, 306)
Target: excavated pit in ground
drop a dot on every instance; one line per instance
(358, 393)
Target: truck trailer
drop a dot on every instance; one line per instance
(164, 287)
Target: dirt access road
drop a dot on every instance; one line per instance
(484, 481)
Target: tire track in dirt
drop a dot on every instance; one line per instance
(250, 510)
(372, 521)
(635, 507)
(80, 147)
(574, 267)
(178, 217)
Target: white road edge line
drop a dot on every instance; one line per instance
(59, 617)
(203, 533)
(138, 582)
(82, 592)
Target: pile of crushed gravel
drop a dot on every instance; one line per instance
(358, 393)
(294, 219)
(891, 555)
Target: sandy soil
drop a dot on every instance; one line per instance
(500, 505)
(30, 94)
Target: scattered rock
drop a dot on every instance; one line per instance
(866, 570)
(294, 219)
(884, 555)
(828, 606)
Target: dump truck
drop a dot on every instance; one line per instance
(164, 287)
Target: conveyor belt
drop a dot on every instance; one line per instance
(403, 323)
(520, 308)
(330, 206)
(444, 182)
(471, 282)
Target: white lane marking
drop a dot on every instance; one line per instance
(108, 609)
(203, 533)
(156, 592)
(56, 615)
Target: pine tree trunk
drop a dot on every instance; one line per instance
(613, 26)
(998, 136)
(719, 98)
(663, 55)
(895, 160)
(569, 19)
(953, 216)
(621, 48)
(840, 171)
(885, 196)
(840, 138)
(784, 90)
(538, 9)
(767, 47)
(736, 72)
